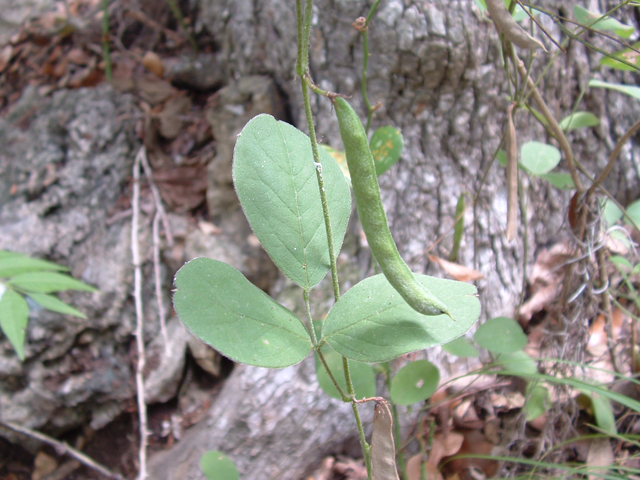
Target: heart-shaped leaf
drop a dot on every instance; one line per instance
(539, 158)
(372, 322)
(501, 335)
(414, 382)
(386, 147)
(275, 179)
(222, 308)
(217, 466)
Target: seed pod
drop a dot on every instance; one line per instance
(506, 25)
(374, 221)
(383, 451)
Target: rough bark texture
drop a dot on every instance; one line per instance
(435, 67)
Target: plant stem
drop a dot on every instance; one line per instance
(105, 40)
(302, 69)
(365, 63)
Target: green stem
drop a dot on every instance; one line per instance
(312, 330)
(365, 62)
(105, 40)
(302, 69)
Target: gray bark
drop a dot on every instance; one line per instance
(435, 67)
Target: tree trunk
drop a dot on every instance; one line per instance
(435, 68)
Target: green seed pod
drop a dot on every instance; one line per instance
(374, 221)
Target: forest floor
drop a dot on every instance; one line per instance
(63, 49)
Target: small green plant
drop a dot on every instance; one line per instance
(217, 466)
(301, 224)
(22, 276)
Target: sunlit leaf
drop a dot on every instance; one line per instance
(217, 466)
(386, 147)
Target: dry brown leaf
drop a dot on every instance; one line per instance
(5, 57)
(78, 56)
(474, 443)
(43, 465)
(541, 299)
(444, 446)
(600, 455)
(170, 124)
(509, 401)
(383, 450)
(457, 271)
(413, 469)
(153, 62)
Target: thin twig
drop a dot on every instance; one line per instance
(161, 214)
(63, 447)
(157, 198)
(544, 30)
(553, 125)
(137, 285)
(614, 154)
(156, 270)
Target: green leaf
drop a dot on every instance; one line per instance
(518, 363)
(12, 263)
(461, 347)
(538, 401)
(628, 55)
(362, 376)
(602, 411)
(502, 158)
(55, 305)
(622, 263)
(386, 147)
(611, 213)
(579, 120)
(372, 323)
(633, 210)
(560, 180)
(48, 282)
(217, 466)
(630, 90)
(414, 382)
(222, 308)
(458, 228)
(596, 20)
(14, 315)
(275, 179)
(501, 335)
(539, 158)
(341, 159)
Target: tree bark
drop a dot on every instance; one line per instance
(436, 69)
